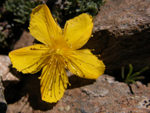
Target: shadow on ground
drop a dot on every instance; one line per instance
(76, 82)
(30, 85)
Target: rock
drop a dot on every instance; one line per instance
(144, 103)
(22, 106)
(121, 34)
(4, 69)
(25, 40)
(3, 103)
(102, 96)
(7, 78)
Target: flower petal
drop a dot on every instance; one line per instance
(77, 31)
(42, 25)
(53, 82)
(29, 59)
(84, 64)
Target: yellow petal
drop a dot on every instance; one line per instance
(29, 59)
(53, 83)
(84, 64)
(42, 25)
(78, 30)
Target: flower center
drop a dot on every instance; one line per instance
(58, 51)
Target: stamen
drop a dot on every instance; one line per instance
(62, 31)
(35, 63)
(75, 67)
(92, 49)
(98, 55)
(56, 20)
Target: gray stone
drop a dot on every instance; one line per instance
(25, 40)
(4, 69)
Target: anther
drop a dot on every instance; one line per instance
(49, 89)
(63, 31)
(91, 35)
(39, 77)
(92, 49)
(98, 55)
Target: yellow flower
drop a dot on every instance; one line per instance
(58, 51)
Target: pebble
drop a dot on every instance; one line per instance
(67, 108)
(61, 108)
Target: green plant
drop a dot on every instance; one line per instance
(21, 9)
(131, 78)
(80, 6)
(71, 8)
